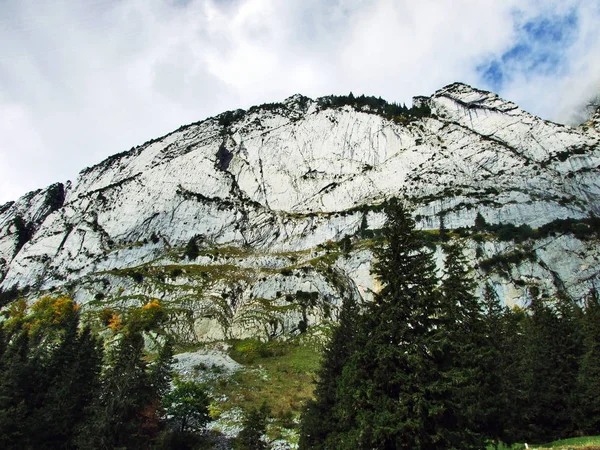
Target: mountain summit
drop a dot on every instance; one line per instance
(261, 221)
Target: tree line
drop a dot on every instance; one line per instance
(431, 365)
(396, 111)
(67, 385)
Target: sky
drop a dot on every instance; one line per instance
(80, 81)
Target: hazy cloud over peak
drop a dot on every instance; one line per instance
(82, 80)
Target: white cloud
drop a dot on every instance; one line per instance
(81, 80)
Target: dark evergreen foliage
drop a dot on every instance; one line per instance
(52, 392)
(254, 426)
(15, 392)
(377, 105)
(49, 374)
(124, 414)
(399, 387)
(191, 251)
(581, 228)
(319, 424)
(72, 382)
(430, 365)
(549, 376)
(466, 334)
(589, 374)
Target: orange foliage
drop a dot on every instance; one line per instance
(154, 304)
(114, 323)
(49, 312)
(105, 316)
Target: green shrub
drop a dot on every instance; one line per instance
(255, 426)
(191, 251)
(248, 350)
(187, 406)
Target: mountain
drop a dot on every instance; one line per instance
(261, 221)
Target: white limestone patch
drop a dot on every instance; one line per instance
(197, 364)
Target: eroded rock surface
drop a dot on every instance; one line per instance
(270, 191)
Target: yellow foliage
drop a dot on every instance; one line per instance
(49, 312)
(45, 317)
(154, 304)
(148, 316)
(114, 323)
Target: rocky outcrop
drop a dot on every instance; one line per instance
(268, 192)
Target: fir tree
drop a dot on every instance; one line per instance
(119, 414)
(318, 420)
(589, 374)
(480, 223)
(160, 371)
(191, 249)
(501, 389)
(548, 375)
(73, 370)
(15, 391)
(569, 352)
(397, 389)
(466, 351)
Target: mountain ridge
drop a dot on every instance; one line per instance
(294, 178)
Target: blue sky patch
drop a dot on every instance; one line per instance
(540, 49)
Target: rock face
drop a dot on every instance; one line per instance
(268, 193)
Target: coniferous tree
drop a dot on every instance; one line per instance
(589, 373)
(73, 370)
(514, 366)
(492, 401)
(480, 223)
(254, 426)
(397, 389)
(191, 249)
(160, 372)
(547, 412)
(318, 420)
(46, 374)
(15, 392)
(569, 352)
(118, 415)
(466, 334)
(502, 391)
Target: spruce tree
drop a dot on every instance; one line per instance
(550, 374)
(117, 416)
(514, 366)
(589, 373)
(397, 389)
(15, 391)
(73, 371)
(491, 397)
(501, 394)
(318, 420)
(569, 352)
(465, 329)
(191, 251)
